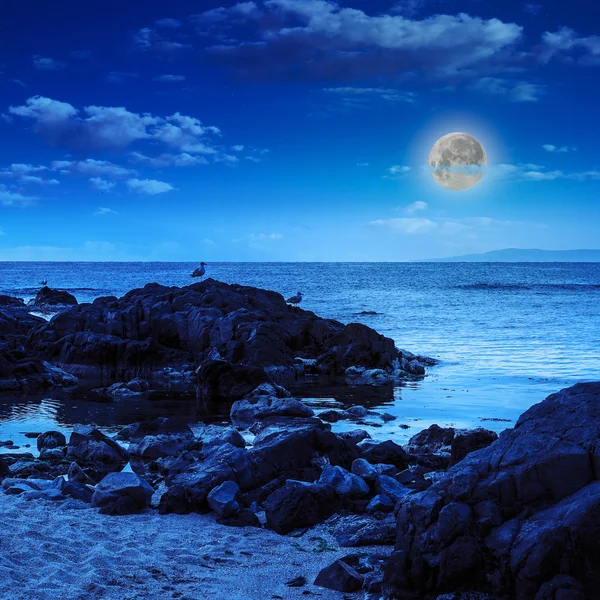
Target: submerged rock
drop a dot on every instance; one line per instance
(48, 298)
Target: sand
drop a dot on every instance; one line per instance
(59, 552)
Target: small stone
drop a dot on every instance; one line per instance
(340, 577)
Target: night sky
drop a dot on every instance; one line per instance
(294, 129)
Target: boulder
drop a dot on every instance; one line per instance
(509, 518)
(122, 493)
(365, 530)
(91, 448)
(380, 503)
(471, 440)
(340, 577)
(223, 499)
(50, 440)
(299, 504)
(345, 484)
(363, 468)
(387, 452)
(48, 299)
(252, 408)
(391, 488)
(159, 438)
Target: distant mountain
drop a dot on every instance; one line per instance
(522, 255)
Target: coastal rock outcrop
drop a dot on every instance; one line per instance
(517, 519)
(239, 336)
(49, 300)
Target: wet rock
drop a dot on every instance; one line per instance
(212, 436)
(333, 416)
(4, 469)
(391, 488)
(122, 493)
(387, 452)
(345, 484)
(10, 301)
(355, 436)
(77, 475)
(508, 518)
(299, 504)
(48, 298)
(159, 438)
(431, 440)
(261, 406)
(50, 440)
(380, 503)
(363, 468)
(91, 448)
(340, 577)
(365, 530)
(223, 499)
(467, 441)
(53, 454)
(362, 376)
(135, 387)
(226, 381)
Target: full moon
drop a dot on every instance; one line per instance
(457, 161)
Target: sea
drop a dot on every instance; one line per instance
(506, 335)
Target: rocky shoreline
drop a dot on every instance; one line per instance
(466, 514)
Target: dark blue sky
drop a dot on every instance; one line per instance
(293, 129)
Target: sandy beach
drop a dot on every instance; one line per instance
(54, 552)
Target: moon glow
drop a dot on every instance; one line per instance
(457, 161)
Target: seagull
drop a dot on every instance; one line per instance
(44, 282)
(200, 271)
(295, 300)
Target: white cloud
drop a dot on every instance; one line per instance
(532, 172)
(566, 44)
(9, 198)
(209, 243)
(514, 91)
(169, 78)
(365, 164)
(410, 226)
(321, 39)
(169, 160)
(151, 187)
(150, 40)
(48, 64)
(38, 180)
(468, 226)
(114, 127)
(91, 167)
(102, 211)
(238, 148)
(415, 207)
(358, 97)
(257, 237)
(102, 184)
(168, 23)
(552, 148)
(397, 172)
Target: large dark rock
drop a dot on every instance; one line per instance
(387, 452)
(50, 440)
(20, 371)
(91, 448)
(215, 325)
(16, 321)
(339, 576)
(510, 518)
(49, 298)
(299, 504)
(264, 402)
(159, 438)
(281, 451)
(122, 493)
